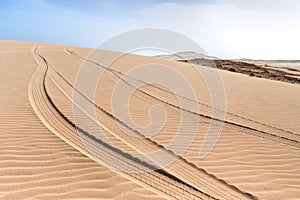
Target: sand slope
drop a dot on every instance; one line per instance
(35, 163)
(256, 157)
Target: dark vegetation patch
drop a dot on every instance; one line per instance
(249, 69)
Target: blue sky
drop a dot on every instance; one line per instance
(261, 29)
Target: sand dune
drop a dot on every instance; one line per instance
(35, 163)
(256, 157)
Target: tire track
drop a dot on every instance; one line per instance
(183, 162)
(232, 125)
(166, 184)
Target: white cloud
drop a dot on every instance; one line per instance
(262, 29)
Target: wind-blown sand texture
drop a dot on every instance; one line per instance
(256, 157)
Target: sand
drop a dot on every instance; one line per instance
(35, 163)
(256, 157)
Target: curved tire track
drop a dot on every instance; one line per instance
(232, 125)
(161, 181)
(184, 169)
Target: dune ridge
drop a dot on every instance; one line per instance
(253, 158)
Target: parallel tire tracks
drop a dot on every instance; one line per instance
(281, 138)
(161, 181)
(192, 171)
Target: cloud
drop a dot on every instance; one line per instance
(266, 29)
(232, 29)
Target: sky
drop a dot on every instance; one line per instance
(257, 29)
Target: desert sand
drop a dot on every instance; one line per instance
(44, 157)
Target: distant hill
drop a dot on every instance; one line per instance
(280, 70)
(187, 55)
